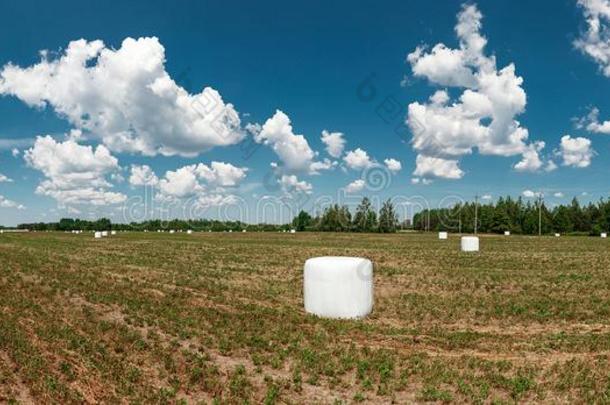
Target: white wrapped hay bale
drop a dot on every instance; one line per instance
(443, 235)
(172, 231)
(104, 233)
(470, 244)
(189, 232)
(557, 235)
(506, 233)
(604, 235)
(113, 233)
(97, 235)
(338, 287)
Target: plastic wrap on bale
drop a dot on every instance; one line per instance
(338, 287)
(470, 244)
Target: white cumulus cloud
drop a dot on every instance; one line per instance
(335, 143)
(592, 123)
(6, 203)
(482, 117)
(576, 152)
(199, 180)
(437, 167)
(393, 165)
(142, 175)
(530, 194)
(358, 159)
(595, 42)
(126, 98)
(355, 186)
(292, 149)
(291, 184)
(75, 174)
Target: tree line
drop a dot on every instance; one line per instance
(338, 218)
(335, 218)
(507, 214)
(518, 217)
(103, 224)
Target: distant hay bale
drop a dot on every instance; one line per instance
(293, 231)
(189, 232)
(557, 235)
(470, 244)
(97, 235)
(172, 231)
(506, 233)
(104, 233)
(113, 233)
(338, 287)
(443, 235)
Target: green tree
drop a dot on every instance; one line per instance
(302, 221)
(365, 219)
(388, 219)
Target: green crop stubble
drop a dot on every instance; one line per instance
(204, 317)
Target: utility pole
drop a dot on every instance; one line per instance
(476, 212)
(539, 214)
(428, 220)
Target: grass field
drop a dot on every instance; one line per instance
(218, 318)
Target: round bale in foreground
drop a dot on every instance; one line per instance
(443, 235)
(338, 287)
(470, 244)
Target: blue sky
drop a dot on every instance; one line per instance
(309, 61)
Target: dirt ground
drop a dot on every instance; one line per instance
(218, 318)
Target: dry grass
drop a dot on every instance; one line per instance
(218, 318)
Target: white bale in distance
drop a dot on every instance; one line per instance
(104, 233)
(172, 231)
(189, 232)
(557, 235)
(113, 232)
(338, 287)
(443, 235)
(604, 235)
(506, 233)
(470, 244)
(98, 235)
